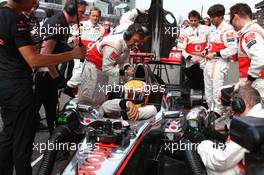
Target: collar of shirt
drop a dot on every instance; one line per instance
(257, 111)
(195, 30)
(90, 24)
(241, 31)
(223, 23)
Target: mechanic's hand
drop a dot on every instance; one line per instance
(130, 71)
(79, 52)
(60, 82)
(210, 56)
(132, 113)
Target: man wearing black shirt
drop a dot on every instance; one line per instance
(34, 26)
(17, 58)
(48, 80)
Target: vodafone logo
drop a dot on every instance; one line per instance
(198, 48)
(90, 45)
(173, 127)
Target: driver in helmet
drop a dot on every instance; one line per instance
(133, 104)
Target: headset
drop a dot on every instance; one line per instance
(237, 103)
(70, 7)
(132, 29)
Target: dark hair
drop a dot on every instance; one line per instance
(206, 18)
(250, 95)
(82, 2)
(95, 9)
(216, 10)
(70, 6)
(132, 29)
(195, 14)
(241, 9)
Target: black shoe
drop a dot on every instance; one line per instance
(68, 91)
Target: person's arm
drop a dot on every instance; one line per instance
(220, 159)
(38, 60)
(47, 48)
(111, 106)
(110, 66)
(117, 105)
(182, 44)
(147, 112)
(129, 17)
(230, 41)
(110, 56)
(23, 42)
(252, 43)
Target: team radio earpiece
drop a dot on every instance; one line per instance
(237, 103)
(70, 8)
(132, 29)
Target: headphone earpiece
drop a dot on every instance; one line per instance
(127, 35)
(237, 103)
(132, 29)
(70, 8)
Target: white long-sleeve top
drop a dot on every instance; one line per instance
(251, 44)
(223, 39)
(219, 161)
(192, 41)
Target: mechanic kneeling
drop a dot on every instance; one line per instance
(245, 101)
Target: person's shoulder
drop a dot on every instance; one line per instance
(255, 28)
(9, 13)
(257, 111)
(54, 20)
(228, 26)
(117, 41)
(86, 22)
(9, 17)
(204, 27)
